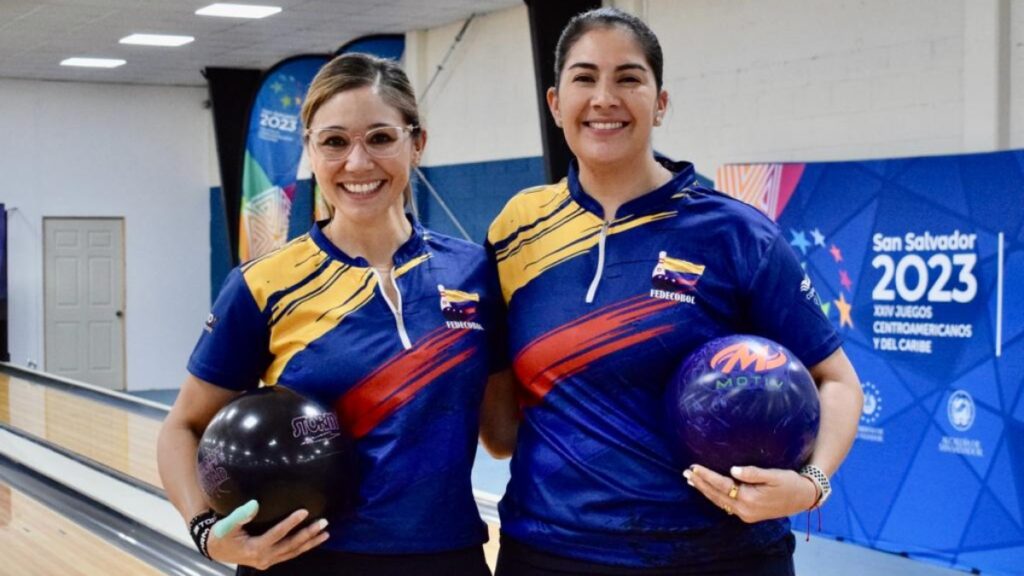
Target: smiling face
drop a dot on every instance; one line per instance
(363, 189)
(607, 101)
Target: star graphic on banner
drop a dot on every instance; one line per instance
(799, 240)
(844, 308)
(819, 238)
(286, 101)
(836, 254)
(844, 279)
(276, 87)
(826, 307)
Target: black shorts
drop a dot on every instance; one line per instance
(323, 562)
(518, 559)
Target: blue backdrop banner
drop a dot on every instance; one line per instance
(273, 151)
(391, 46)
(919, 262)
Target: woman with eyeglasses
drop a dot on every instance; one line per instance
(368, 313)
(595, 337)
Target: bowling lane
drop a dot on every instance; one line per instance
(35, 539)
(126, 442)
(116, 438)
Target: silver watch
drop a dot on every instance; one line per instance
(817, 475)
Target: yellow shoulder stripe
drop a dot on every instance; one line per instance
(411, 264)
(318, 310)
(629, 222)
(283, 268)
(539, 229)
(545, 231)
(310, 296)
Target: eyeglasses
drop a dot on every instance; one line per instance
(334, 145)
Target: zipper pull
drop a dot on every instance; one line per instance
(395, 307)
(592, 291)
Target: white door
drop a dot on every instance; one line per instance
(84, 284)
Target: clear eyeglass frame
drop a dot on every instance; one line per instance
(336, 153)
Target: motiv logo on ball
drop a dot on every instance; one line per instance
(961, 412)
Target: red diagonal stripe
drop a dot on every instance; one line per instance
(542, 383)
(623, 306)
(391, 386)
(544, 363)
(366, 422)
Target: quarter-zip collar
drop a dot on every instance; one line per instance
(683, 177)
(409, 249)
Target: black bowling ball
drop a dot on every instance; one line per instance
(280, 449)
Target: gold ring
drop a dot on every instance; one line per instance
(734, 491)
(728, 509)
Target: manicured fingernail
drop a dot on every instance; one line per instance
(322, 523)
(690, 483)
(735, 470)
(687, 474)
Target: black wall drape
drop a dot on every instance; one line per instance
(231, 94)
(546, 22)
(5, 354)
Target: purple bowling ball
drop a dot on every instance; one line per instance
(743, 401)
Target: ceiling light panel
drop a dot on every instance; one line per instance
(92, 62)
(156, 40)
(238, 10)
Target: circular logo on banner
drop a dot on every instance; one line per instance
(960, 410)
(872, 403)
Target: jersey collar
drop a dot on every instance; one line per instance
(684, 176)
(411, 248)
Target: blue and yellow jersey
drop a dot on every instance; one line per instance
(406, 383)
(600, 315)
